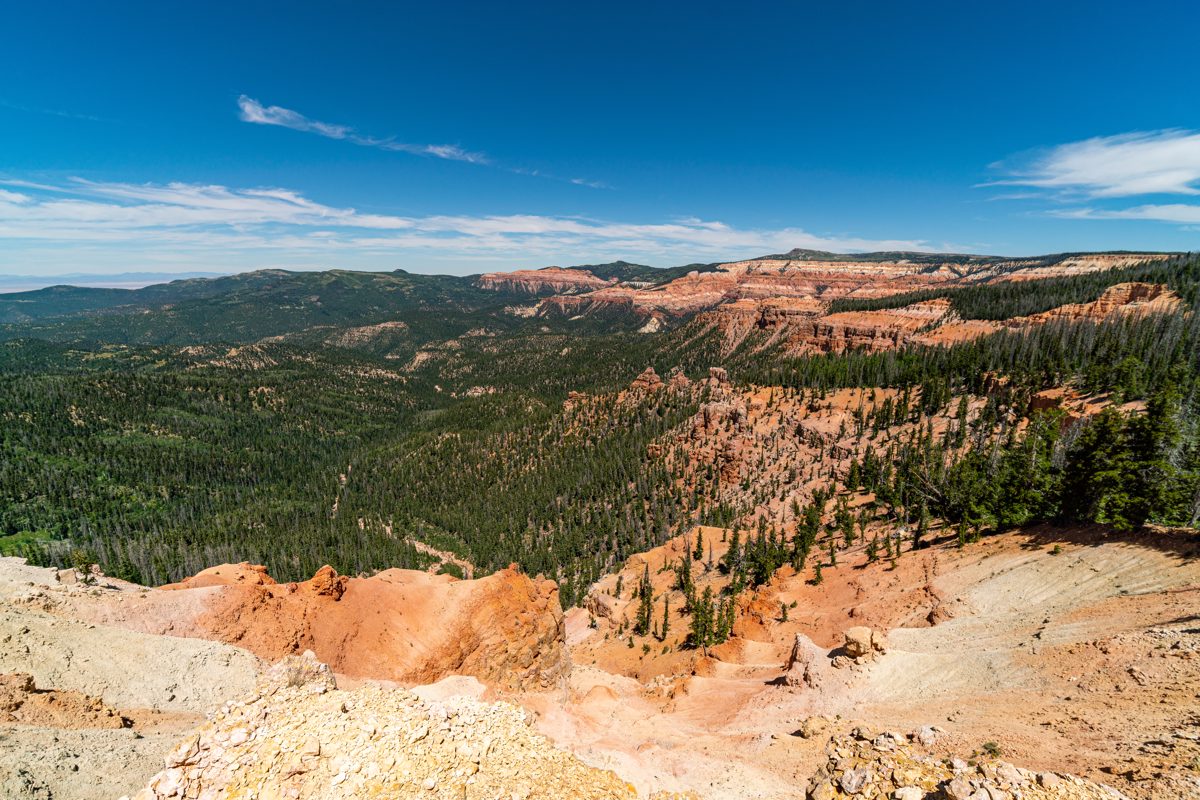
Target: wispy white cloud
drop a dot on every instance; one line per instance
(51, 112)
(250, 110)
(1126, 165)
(219, 223)
(590, 184)
(1168, 212)
(1103, 170)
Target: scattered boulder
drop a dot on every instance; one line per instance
(814, 726)
(853, 780)
(926, 735)
(862, 644)
(858, 642)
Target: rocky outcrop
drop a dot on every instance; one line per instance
(801, 669)
(243, 574)
(678, 382)
(861, 646)
(862, 642)
(1074, 406)
(647, 381)
(786, 299)
(551, 280)
(401, 625)
(1123, 298)
(866, 764)
(368, 334)
(301, 737)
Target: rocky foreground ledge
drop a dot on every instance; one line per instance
(299, 736)
(868, 765)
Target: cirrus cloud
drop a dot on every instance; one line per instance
(250, 110)
(1125, 165)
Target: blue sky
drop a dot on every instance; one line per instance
(467, 137)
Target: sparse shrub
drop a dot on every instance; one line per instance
(82, 561)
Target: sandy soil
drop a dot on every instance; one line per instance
(1073, 651)
(108, 703)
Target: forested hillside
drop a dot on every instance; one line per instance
(145, 441)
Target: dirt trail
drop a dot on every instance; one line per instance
(445, 557)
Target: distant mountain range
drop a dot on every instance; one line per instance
(121, 280)
(327, 306)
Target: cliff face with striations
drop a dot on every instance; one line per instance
(551, 280)
(1124, 298)
(803, 327)
(739, 286)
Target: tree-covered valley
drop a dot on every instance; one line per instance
(397, 415)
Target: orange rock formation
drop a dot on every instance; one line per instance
(399, 625)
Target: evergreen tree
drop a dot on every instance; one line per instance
(645, 603)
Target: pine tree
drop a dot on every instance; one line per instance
(701, 634)
(645, 603)
(922, 529)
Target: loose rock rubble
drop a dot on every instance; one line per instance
(301, 737)
(867, 765)
(22, 702)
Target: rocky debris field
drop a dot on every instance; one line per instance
(22, 702)
(298, 736)
(868, 765)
